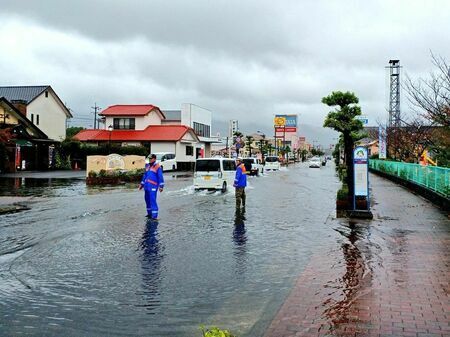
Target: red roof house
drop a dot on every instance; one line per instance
(152, 133)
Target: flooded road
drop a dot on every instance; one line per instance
(85, 261)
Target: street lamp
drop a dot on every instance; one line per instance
(110, 128)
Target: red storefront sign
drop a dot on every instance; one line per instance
(286, 129)
(18, 159)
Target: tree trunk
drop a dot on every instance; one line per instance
(348, 149)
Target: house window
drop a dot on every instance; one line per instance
(46, 94)
(189, 150)
(202, 130)
(37, 119)
(32, 118)
(124, 123)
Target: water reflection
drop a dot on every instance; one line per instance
(240, 241)
(151, 267)
(352, 280)
(41, 186)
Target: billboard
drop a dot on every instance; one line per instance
(289, 121)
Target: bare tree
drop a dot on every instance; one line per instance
(430, 99)
(432, 96)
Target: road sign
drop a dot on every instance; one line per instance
(363, 119)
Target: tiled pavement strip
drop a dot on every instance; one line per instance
(386, 277)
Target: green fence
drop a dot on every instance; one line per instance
(434, 178)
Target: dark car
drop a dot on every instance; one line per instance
(253, 166)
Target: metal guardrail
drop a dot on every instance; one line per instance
(434, 178)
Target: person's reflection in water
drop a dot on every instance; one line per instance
(151, 266)
(240, 240)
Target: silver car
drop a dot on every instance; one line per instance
(315, 162)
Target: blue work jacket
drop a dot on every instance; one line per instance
(241, 176)
(153, 177)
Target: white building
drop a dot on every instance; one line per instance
(199, 119)
(42, 106)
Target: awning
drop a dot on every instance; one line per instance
(22, 142)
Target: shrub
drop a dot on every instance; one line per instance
(62, 162)
(215, 332)
(92, 174)
(342, 194)
(341, 172)
(102, 173)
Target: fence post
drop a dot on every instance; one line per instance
(435, 179)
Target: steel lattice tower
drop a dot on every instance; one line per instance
(394, 94)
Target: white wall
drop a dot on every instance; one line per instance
(163, 147)
(52, 118)
(191, 113)
(187, 140)
(141, 122)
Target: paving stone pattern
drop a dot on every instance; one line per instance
(386, 277)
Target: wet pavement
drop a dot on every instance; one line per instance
(84, 260)
(385, 277)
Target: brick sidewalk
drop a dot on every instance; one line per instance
(385, 277)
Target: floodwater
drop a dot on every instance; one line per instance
(84, 261)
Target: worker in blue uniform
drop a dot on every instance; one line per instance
(240, 182)
(152, 181)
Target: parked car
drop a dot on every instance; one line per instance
(167, 160)
(272, 163)
(315, 162)
(253, 166)
(214, 173)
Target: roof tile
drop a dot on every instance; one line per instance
(151, 133)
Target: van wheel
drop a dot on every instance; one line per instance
(224, 187)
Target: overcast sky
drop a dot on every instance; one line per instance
(245, 60)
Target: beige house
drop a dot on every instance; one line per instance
(42, 106)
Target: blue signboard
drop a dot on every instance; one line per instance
(361, 173)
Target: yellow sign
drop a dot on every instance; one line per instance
(279, 121)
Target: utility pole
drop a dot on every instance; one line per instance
(96, 108)
(226, 148)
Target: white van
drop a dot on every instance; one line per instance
(271, 163)
(167, 160)
(214, 173)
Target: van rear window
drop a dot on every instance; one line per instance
(271, 159)
(207, 165)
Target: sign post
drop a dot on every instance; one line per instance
(382, 142)
(361, 175)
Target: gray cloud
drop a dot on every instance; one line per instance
(241, 59)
